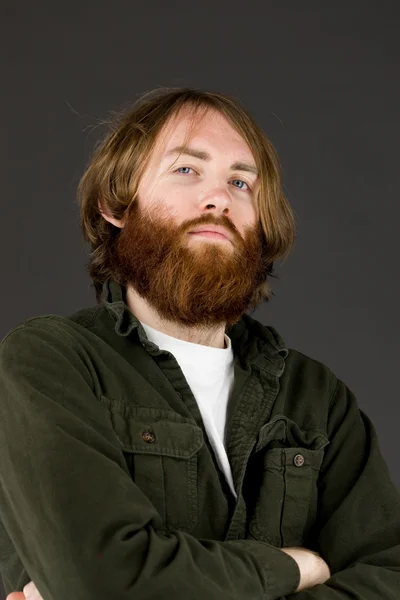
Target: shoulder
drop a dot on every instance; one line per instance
(309, 369)
(43, 352)
(298, 365)
(45, 331)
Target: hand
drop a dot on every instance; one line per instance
(30, 593)
(313, 568)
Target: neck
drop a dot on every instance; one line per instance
(213, 337)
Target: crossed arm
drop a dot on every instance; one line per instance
(313, 571)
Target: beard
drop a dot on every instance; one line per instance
(199, 283)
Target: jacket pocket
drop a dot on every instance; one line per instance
(282, 482)
(161, 449)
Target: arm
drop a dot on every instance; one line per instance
(78, 522)
(313, 570)
(358, 528)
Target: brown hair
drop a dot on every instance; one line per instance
(117, 164)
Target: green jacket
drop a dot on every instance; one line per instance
(109, 488)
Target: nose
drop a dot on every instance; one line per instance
(217, 200)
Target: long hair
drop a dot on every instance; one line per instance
(118, 161)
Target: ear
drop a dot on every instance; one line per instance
(109, 218)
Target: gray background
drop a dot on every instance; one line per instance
(323, 82)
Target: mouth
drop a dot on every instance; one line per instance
(209, 234)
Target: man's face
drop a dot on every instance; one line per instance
(192, 278)
(186, 187)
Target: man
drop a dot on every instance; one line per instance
(163, 441)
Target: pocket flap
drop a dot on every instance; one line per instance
(146, 430)
(288, 433)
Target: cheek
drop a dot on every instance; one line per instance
(175, 201)
(248, 215)
(171, 204)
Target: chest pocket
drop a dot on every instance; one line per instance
(161, 449)
(281, 482)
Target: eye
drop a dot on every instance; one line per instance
(179, 169)
(240, 182)
(185, 171)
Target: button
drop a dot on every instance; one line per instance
(298, 460)
(148, 437)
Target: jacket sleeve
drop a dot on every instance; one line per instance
(358, 527)
(79, 524)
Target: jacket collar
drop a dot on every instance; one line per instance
(251, 340)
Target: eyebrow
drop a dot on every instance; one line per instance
(202, 155)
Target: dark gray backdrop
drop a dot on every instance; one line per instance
(323, 82)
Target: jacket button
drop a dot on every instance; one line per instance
(148, 437)
(298, 460)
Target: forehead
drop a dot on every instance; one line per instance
(207, 129)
